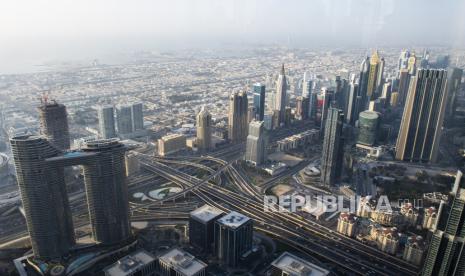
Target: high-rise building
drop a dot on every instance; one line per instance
(233, 238)
(106, 121)
(44, 197)
(107, 191)
(324, 103)
(363, 86)
(124, 119)
(313, 105)
(137, 116)
(446, 254)
(375, 75)
(454, 81)
(403, 60)
(303, 103)
(259, 100)
(237, 119)
(289, 265)
(40, 173)
(404, 82)
(281, 94)
(204, 130)
(351, 107)
(332, 152)
(201, 227)
(129, 118)
(368, 123)
(307, 88)
(140, 263)
(53, 120)
(256, 143)
(423, 116)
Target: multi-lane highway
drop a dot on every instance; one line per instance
(350, 255)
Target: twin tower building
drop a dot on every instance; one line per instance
(40, 163)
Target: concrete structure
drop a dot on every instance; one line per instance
(368, 123)
(138, 263)
(130, 120)
(256, 143)
(454, 81)
(201, 227)
(40, 172)
(237, 118)
(281, 96)
(137, 116)
(44, 198)
(346, 224)
(124, 119)
(290, 265)
(388, 240)
(299, 140)
(233, 238)
(423, 117)
(171, 143)
(204, 130)
(414, 250)
(259, 101)
(303, 104)
(409, 214)
(446, 253)
(106, 121)
(132, 163)
(53, 120)
(430, 217)
(177, 262)
(332, 152)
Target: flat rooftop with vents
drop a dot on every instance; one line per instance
(233, 219)
(292, 265)
(182, 262)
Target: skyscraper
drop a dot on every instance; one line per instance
(307, 88)
(375, 75)
(281, 90)
(204, 131)
(303, 103)
(362, 95)
(40, 173)
(129, 118)
(256, 143)
(404, 82)
(237, 118)
(202, 227)
(43, 194)
(453, 85)
(233, 237)
(137, 116)
(423, 116)
(106, 121)
(403, 60)
(53, 120)
(107, 191)
(124, 119)
(368, 124)
(351, 106)
(332, 152)
(259, 100)
(446, 254)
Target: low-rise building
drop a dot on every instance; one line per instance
(386, 238)
(170, 144)
(347, 224)
(414, 250)
(409, 214)
(140, 263)
(429, 218)
(299, 140)
(180, 263)
(290, 265)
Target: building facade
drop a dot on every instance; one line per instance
(238, 117)
(332, 152)
(106, 122)
(256, 143)
(259, 101)
(53, 120)
(204, 130)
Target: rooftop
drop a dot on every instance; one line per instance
(206, 213)
(296, 266)
(129, 263)
(183, 262)
(233, 219)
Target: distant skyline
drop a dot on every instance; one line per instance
(42, 30)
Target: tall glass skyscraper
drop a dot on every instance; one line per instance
(53, 120)
(106, 121)
(420, 129)
(332, 152)
(259, 100)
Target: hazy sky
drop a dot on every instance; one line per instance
(61, 28)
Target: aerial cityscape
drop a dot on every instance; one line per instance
(264, 157)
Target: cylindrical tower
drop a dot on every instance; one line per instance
(107, 191)
(44, 197)
(368, 122)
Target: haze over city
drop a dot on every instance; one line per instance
(247, 137)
